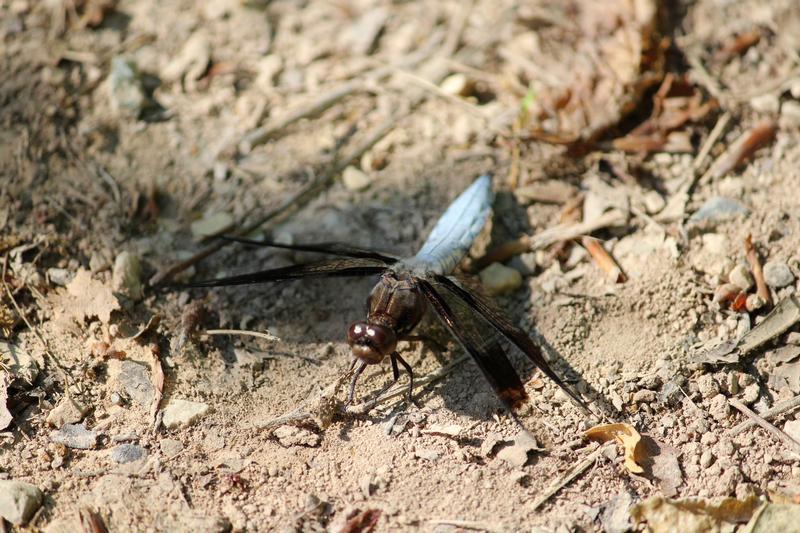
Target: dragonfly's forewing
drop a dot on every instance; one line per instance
(455, 231)
(332, 268)
(331, 248)
(494, 316)
(480, 342)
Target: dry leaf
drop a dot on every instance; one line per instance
(693, 514)
(85, 298)
(625, 435)
(362, 521)
(775, 517)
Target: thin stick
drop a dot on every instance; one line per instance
(259, 334)
(777, 409)
(468, 524)
(777, 433)
(713, 137)
(571, 474)
(755, 266)
(604, 260)
(64, 374)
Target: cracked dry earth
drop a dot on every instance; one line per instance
(126, 137)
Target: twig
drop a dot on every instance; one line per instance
(259, 334)
(568, 476)
(777, 409)
(713, 137)
(755, 266)
(64, 374)
(566, 232)
(777, 433)
(741, 150)
(468, 524)
(604, 260)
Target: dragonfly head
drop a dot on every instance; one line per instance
(371, 342)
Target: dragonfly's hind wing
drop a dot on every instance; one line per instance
(480, 342)
(497, 318)
(331, 248)
(332, 268)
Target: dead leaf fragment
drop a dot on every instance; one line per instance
(84, 298)
(626, 436)
(775, 517)
(516, 455)
(693, 514)
(362, 521)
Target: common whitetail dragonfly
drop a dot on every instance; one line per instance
(407, 286)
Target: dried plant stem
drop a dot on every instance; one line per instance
(777, 433)
(776, 410)
(570, 475)
(259, 334)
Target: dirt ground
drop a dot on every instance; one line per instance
(131, 130)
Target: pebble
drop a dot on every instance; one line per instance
(777, 274)
(516, 455)
(754, 302)
(427, 455)
(68, 411)
(644, 396)
(134, 379)
(500, 279)
(718, 209)
(741, 277)
(128, 453)
(75, 436)
(289, 436)
(706, 459)
(790, 115)
(18, 501)
(211, 224)
(455, 84)
(718, 407)
(170, 447)
(765, 103)
(23, 368)
(126, 276)
(707, 386)
(128, 98)
(182, 413)
(268, 68)
(354, 179)
(792, 428)
(750, 394)
(59, 276)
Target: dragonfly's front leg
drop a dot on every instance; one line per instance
(356, 375)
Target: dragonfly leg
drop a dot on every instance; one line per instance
(356, 375)
(395, 359)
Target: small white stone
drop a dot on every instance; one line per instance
(777, 274)
(754, 302)
(455, 84)
(355, 179)
(18, 501)
(500, 279)
(790, 114)
(741, 277)
(765, 103)
(211, 224)
(182, 413)
(126, 276)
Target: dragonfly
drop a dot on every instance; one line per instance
(407, 287)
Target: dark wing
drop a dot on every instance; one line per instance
(481, 345)
(502, 324)
(334, 268)
(332, 248)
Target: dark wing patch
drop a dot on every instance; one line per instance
(334, 268)
(332, 248)
(481, 344)
(502, 324)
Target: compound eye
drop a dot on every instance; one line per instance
(382, 339)
(357, 331)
